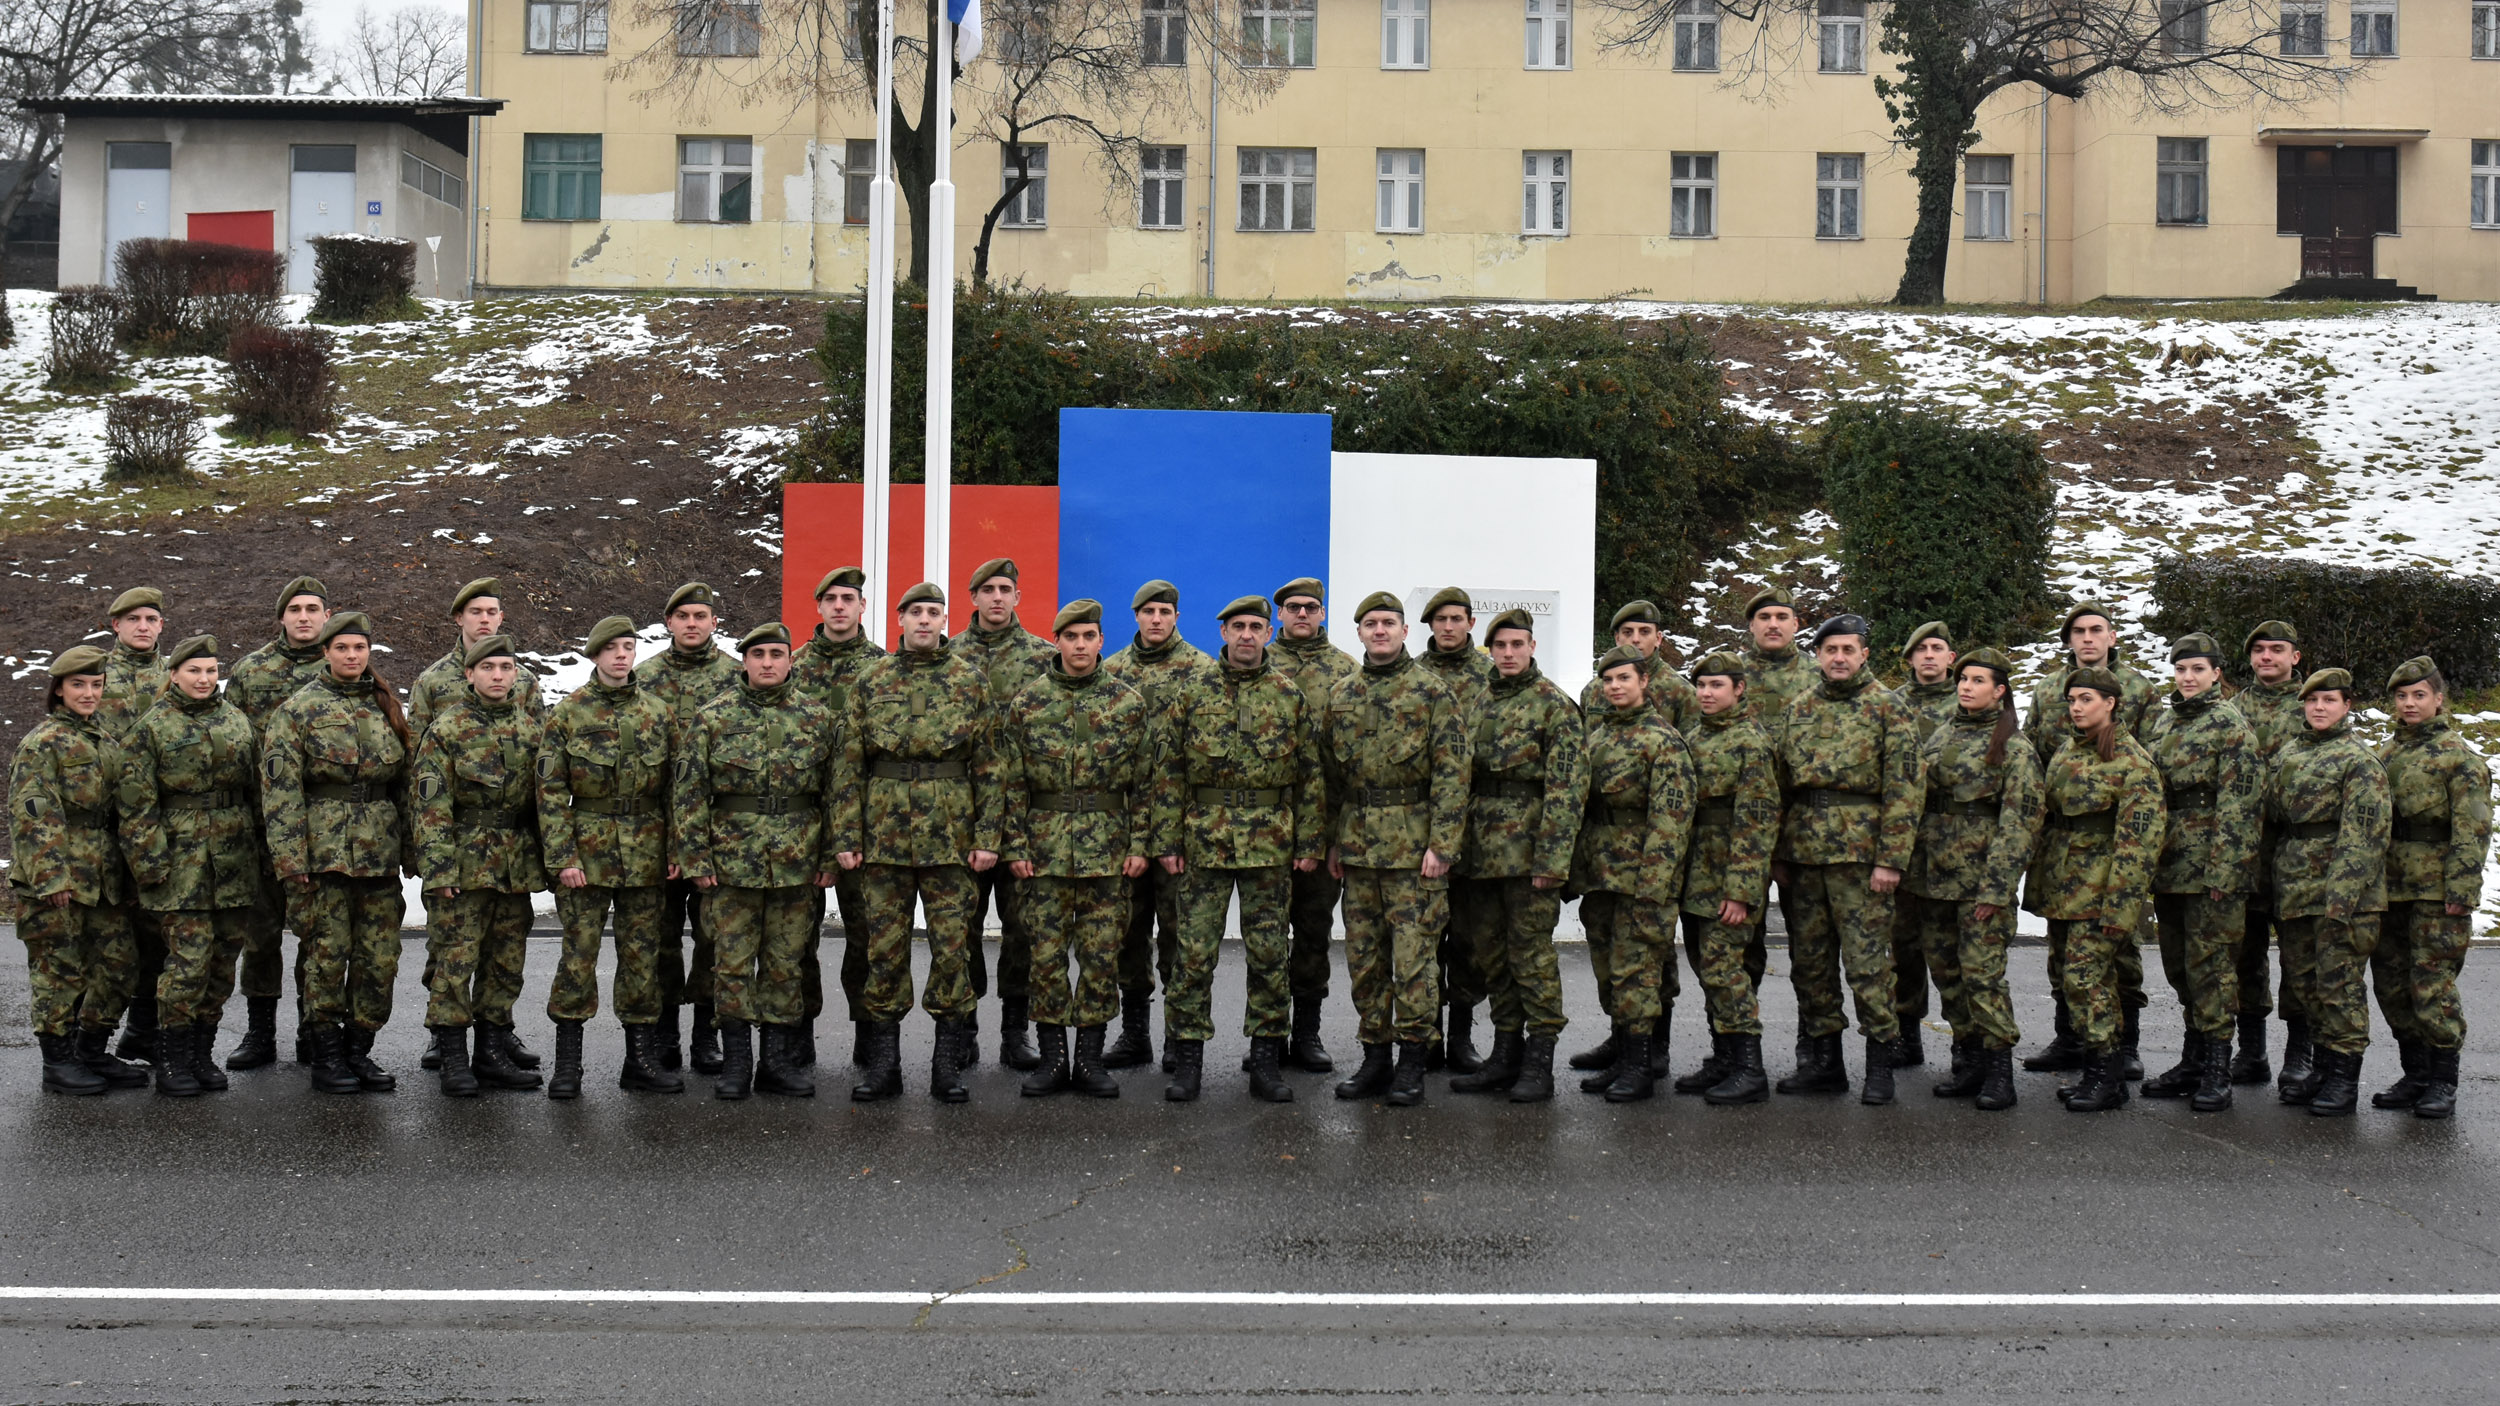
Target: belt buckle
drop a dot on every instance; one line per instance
(356, 792)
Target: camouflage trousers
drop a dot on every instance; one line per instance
(1909, 964)
(475, 946)
(684, 981)
(1314, 925)
(200, 949)
(80, 962)
(635, 989)
(759, 939)
(1838, 922)
(2420, 951)
(1966, 954)
(945, 893)
(2200, 956)
(1639, 942)
(2126, 967)
(1079, 921)
(2328, 960)
(1266, 940)
(1598, 927)
(1015, 937)
(1152, 941)
(2257, 994)
(348, 928)
(264, 946)
(1393, 922)
(1728, 991)
(2091, 963)
(1508, 927)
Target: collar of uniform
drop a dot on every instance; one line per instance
(1715, 721)
(2422, 731)
(498, 706)
(91, 724)
(2286, 689)
(298, 653)
(924, 658)
(360, 686)
(747, 689)
(1058, 673)
(1847, 688)
(127, 655)
(988, 638)
(2190, 707)
(191, 705)
(1396, 665)
(1780, 655)
(1937, 689)
(1316, 644)
(857, 642)
(1506, 684)
(2313, 735)
(679, 657)
(612, 690)
(1448, 658)
(1241, 671)
(1977, 717)
(1154, 653)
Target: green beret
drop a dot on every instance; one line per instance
(995, 566)
(1987, 658)
(1076, 612)
(1449, 595)
(482, 586)
(491, 647)
(850, 576)
(2271, 630)
(1380, 600)
(770, 632)
(691, 593)
(1932, 630)
(346, 622)
(1246, 605)
(2418, 669)
(1153, 591)
(2100, 681)
(196, 647)
(135, 598)
(2196, 646)
(1619, 656)
(1768, 595)
(1513, 619)
(301, 586)
(926, 590)
(1721, 664)
(1301, 586)
(2083, 608)
(2340, 680)
(1635, 612)
(84, 659)
(618, 627)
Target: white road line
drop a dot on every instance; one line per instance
(991, 1298)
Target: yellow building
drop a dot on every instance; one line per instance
(1498, 149)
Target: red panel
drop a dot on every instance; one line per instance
(820, 531)
(252, 229)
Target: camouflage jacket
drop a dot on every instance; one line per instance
(1154, 672)
(1314, 665)
(1076, 762)
(1981, 822)
(2045, 724)
(269, 676)
(1467, 670)
(2327, 802)
(604, 769)
(2210, 777)
(1395, 745)
(334, 784)
(1773, 681)
(2273, 714)
(925, 782)
(1241, 784)
(2435, 779)
(62, 791)
(2080, 871)
(1848, 758)
(685, 680)
(1009, 657)
(1669, 696)
(829, 671)
(190, 806)
(473, 796)
(132, 680)
(757, 803)
(446, 681)
(1736, 812)
(1526, 787)
(1932, 705)
(1640, 809)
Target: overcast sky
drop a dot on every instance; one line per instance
(327, 21)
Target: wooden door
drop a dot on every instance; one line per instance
(2338, 200)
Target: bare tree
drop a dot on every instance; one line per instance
(1953, 55)
(412, 51)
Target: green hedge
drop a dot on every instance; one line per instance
(2366, 619)
(1938, 521)
(1676, 469)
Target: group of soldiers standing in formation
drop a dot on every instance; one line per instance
(1448, 801)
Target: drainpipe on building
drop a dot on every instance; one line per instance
(477, 134)
(2044, 197)
(1215, 73)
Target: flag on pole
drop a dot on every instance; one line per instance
(965, 15)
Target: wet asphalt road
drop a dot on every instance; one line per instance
(273, 1186)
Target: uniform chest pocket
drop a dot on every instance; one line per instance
(1397, 732)
(483, 771)
(1508, 749)
(597, 751)
(740, 751)
(336, 743)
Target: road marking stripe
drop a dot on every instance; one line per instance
(992, 1298)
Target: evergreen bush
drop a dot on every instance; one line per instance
(2366, 619)
(364, 278)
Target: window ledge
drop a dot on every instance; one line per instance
(2184, 224)
(1987, 239)
(1693, 238)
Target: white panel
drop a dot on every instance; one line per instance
(1510, 531)
(318, 202)
(137, 205)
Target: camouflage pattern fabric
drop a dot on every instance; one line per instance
(446, 681)
(473, 791)
(2436, 780)
(2327, 799)
(2420, 951)
(1315, 666)
(1396, 748)
(80, 962)
(2211, 774)
(1508, 927)
(1931, 705)
(760, 938)
(945, 893)
(1966, 955)
(2092, 980)
(200, 950)
(1633, 835)
(1849, 764)
(189, 801)
(348, 926)
(1736, 821)
(758, 799)
(824, 668)
(684, 680)
(1773, 681)
(929, 709)
(1152, 938)
(1523, 816)
(1077, 920)
(1010, 657)
(1981, 821)
(63, 786)
(2200, 953)
(635, 988)
(331, 737)
(133, 680)
(1841, 925)
(1206, 890)
(1393, 920)
(2046, 722)
(604, 772)
(2083, 866)
(2327, 961)
(475, 943)
(258, 683)
(1717, 952)
(2273, 714)
(1640, 947)
(1669, 696)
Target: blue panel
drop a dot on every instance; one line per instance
(1222, 504)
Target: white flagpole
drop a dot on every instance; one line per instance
(940, 470)
(877, 472)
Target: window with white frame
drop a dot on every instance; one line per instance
(1279, 188)
(715, 180)
(1987, 197)
(1162, 184)
(1839, 194)
(419, 174)
(1164, 28)
(1018, 30)
(1693, 194)
(2183, 26)
(2487, 185)
(1840, 35)
(2304, 28)
(1697, 36)
(1546, 202)
(2179, 181)
(567, 27)
(1401, 192)
(2487, 29)
(1280, 33)
(1029, 207)
(1406, 33)
(2374, 29)
(1549, 33)
(859, 19)
(719, 30)
(859, 171)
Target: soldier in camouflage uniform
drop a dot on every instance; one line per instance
(258, 683)
(2092, 872)
(604, 772)
(1077, 762)
(1396, 750)
(1153, 663)
(67, 877)
(1450, 651)
(1736, 826)
(1849, 768)
(1302, 652)
(828, 667)
(473, 790)
(1010, 656)
(134, 678)
(923, 805)
(691, 672)
(2327, 799)
(334, 794)
(1981, 819)
(1239, 805)
(190, 823)
(1628, 863)
(1777, 672)
(2440, 790)
(1933, 700)
(2271, 704)
(2210, 779)
(1638, 627)
(1523, 819)
(758, 819)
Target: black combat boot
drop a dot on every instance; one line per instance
(946, 1062)
(666, 1051)
(1500, 1068)
(2439, 1085)
(330, 1074)
(2251, 1065)
(1996, 1080)
(95, 1047)
(1371, 1077)
(1306, 1052)
(1015, 1040)
(1633, 1080)
(1406, 1081)
(703, 1042)
(63, 1071)
(432, 1059)
(1458, 1047)
(2339, 1084)
(1535, 1083)
(2298, 1082)
(1267, 1074)
(374, 1077)
(2063, 1052)
(643, 1072)
(971, 1052)
(1658, 1042)
(881, 1063)
(521, 1055)
(203, 1052)
(780, 1072)
(1598, 1056)
(1050, 1068)
(2100, 1089)
(1712, 1070)
(2213, 1077)
(1604, 1079)
(1188, 1061)
(1877, 1087)
(259, 1045)
(1136, 1044)
(1090, 1075)
(1819, 1067)
(736, 1078)
(494, 1064)
(139, 1034)
(1968, 1072)
(2406, 1091)
(2128, 1064)
(1909, 1052)
(566, 1080)
(1744, 1082)
(458, 1080)
(2179, 1080)
(174, 1078)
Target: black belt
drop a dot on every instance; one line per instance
(1505, 788)
(1388, 795)
(91, 819)
(353, 792)
(204, 800)
(1620, 815)
(1238, 795)
(1716, 810)
(2421, 831)
(2312, 829)
(618, 805)
(2091, 822)
(1946, 805)
(2191, 798)
(749, 803)
(1077, 802)
(491, 817)
(890, 769)
(1825, 796)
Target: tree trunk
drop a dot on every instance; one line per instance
(1931, 239)
(915, 159)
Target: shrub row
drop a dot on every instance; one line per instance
(361, 278)
(148, 438)
(187, 297)
(2366, 619)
